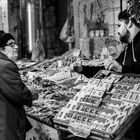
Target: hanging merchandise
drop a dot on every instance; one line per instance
(67, 32)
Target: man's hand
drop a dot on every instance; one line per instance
(112, 65)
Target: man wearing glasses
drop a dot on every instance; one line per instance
(13, 93)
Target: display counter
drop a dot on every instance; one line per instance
(103, 107)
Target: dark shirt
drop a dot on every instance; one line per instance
(130, 66)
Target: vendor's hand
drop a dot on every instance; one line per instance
(76, 67)
(112, 65)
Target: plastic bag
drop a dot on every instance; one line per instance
(66, 31)
(38, 53)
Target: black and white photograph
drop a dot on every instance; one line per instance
(70, 69)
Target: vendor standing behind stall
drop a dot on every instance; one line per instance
(13, 93)
(129, 59)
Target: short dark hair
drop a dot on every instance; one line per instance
(124, 15)
(4, 37)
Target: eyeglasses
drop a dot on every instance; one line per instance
(12, 44)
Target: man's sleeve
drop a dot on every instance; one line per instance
(12, 87)
(90, 71)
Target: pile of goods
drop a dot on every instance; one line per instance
(62, 61)
(103, 107)
(53, 83)
(51, 95)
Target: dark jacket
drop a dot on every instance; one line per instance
(130, 66)
(13, 95)
(126, 59)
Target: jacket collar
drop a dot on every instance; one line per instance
(4, 57)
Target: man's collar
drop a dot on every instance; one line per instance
(3, 56)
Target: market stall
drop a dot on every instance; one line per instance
(102, 107)
(69, 103)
